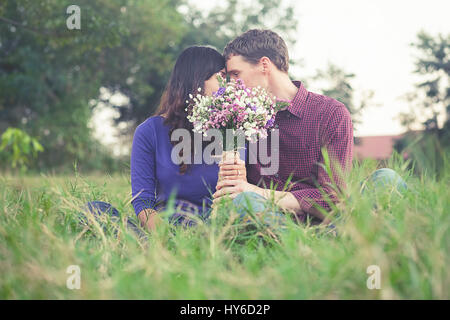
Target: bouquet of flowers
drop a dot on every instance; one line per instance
(245, 111)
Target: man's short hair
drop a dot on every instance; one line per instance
(255, 44)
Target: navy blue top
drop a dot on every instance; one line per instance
(154, 173)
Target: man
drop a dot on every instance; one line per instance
(309, 123)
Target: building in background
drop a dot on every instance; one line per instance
(375, 147)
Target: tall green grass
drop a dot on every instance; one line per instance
(406, 235)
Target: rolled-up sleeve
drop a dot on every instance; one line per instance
(142, 167)
(337, 138)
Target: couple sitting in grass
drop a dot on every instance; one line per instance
(310, 123)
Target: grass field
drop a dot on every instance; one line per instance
(406, 235)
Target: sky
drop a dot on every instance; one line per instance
(366, 37)
(372, 40)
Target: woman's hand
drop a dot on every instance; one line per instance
(149, 219)
(232, 179)
(232, 169)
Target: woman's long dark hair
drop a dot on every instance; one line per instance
(193, 67)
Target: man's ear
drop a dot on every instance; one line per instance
(265, 63)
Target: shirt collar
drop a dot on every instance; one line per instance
(299, 101)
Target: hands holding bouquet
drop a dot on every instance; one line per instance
(233, 179)
(247, 112)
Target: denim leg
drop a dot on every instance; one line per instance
(386, 178)
(97, 208)
(248, 201)
(184, 213)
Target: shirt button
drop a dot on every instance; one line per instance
(276, 175)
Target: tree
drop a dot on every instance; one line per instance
(430, 100)
(216, 28)
(229, 19)
(337, 84)
(50, 76)
(18, 148)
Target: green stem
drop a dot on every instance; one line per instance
(229, 144)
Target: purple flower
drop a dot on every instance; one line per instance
(270, 122)
(220, 92)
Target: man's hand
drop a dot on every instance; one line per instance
(233, 180)
(232, 188)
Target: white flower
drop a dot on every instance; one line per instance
(248, 133)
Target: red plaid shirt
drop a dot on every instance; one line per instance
(312, 121)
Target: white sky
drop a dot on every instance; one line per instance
(368, 38)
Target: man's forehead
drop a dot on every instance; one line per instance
(234, 62)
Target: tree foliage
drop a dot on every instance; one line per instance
(429, 101)
(337, 84)
(18, 148)
(50, 77)
(215, 28)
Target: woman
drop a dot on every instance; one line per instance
(154, 176)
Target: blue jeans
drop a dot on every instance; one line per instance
(384, 178)
(97, 208)
(251, 202)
